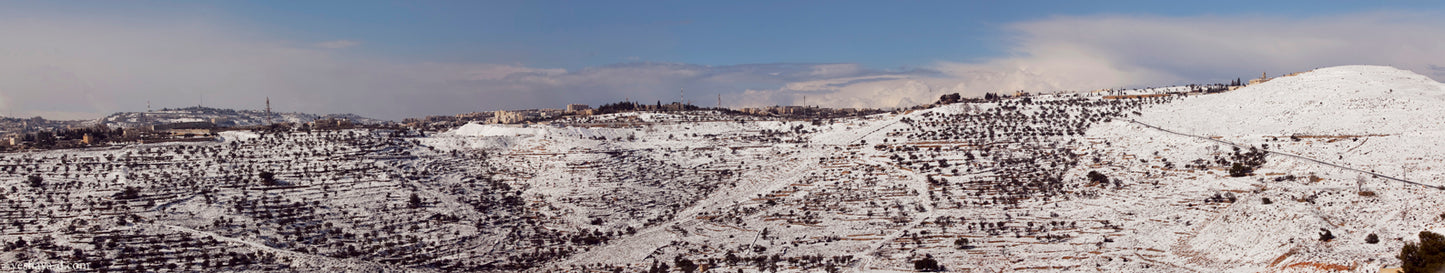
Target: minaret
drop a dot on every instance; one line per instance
(268, 110)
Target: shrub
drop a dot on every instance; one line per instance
(1222, 198)
(1326, 236)
(1372, 239)
(1426, 256)
(927, 264)
(1240, 170)
(962, 243)
(268, 178)
(687, 266)
(1266, 201)
(35, 181)
(1096, 177)
(127, 193)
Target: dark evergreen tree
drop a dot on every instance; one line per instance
(35, 181)
(414, 201)
(1426, 256)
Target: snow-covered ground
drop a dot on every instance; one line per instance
(1113, 181)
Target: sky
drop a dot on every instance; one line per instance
(394, 60)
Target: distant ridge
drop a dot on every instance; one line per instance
(222, 117)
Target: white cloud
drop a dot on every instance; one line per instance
(1221, 47)
(1093, 52)
(338, 44)
(74, 67)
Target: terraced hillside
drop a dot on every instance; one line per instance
(1155, 179)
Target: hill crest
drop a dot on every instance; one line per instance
(1356, 99)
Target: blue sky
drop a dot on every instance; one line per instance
(578, 34)
(426, 58)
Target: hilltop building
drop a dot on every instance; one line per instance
(507, 117)
(573, 108)
(1263, 77)
(199, 128)
(521, 116)
(330, 124)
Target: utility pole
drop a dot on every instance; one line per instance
(1405, 171)
(1360, 183)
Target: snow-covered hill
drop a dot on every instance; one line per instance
(1376, 118)
(1370, 134)
(1067, 182)
(1343, 100)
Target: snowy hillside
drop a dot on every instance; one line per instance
(1147, 182)
(1369, 133)
(1344, 100)
(1375, 118)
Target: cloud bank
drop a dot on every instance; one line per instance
(1111, 51)
(89, 67)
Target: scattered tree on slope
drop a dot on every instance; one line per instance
(927, 264)
(1096, 177)
(1426, 256)
(1245, 163)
